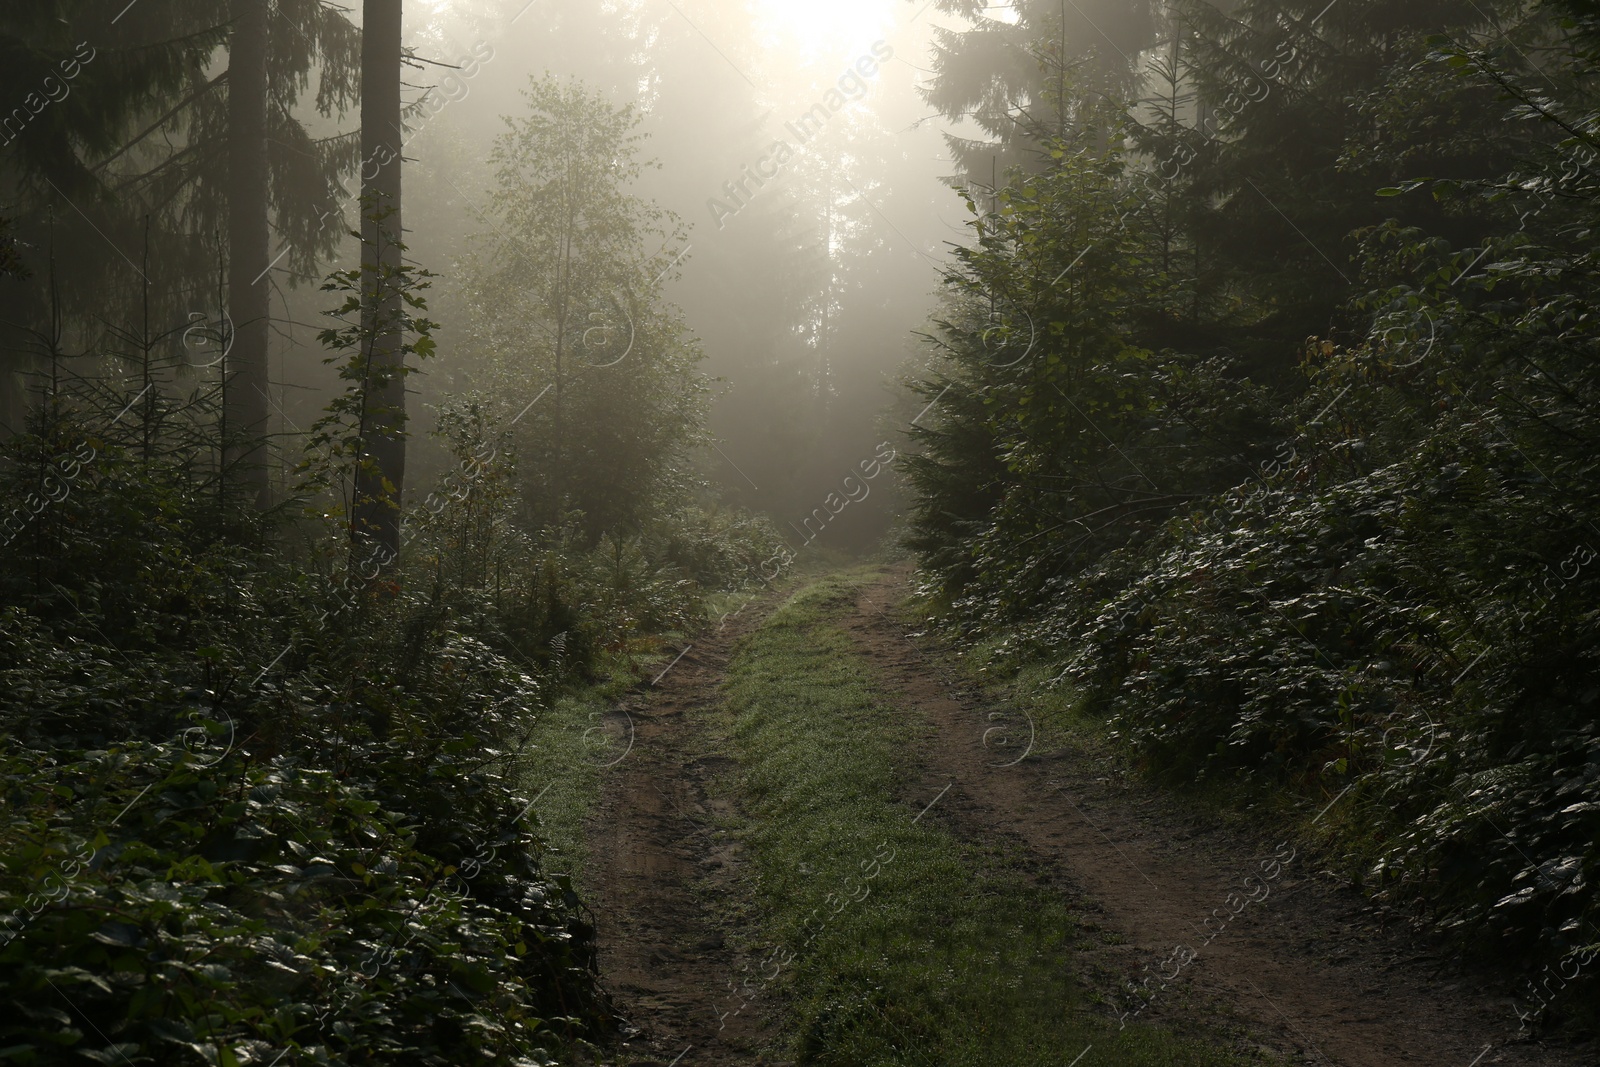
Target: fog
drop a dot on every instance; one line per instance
(863, 532)
(803, 280)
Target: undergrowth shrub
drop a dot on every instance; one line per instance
(197, 904)
(1371, 591)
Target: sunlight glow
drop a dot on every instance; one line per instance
(816, 29)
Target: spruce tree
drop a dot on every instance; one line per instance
(1021, 79)
(143, 128)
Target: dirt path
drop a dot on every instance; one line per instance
(1306, 969)
(660, 866)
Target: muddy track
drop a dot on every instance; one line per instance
(663, 871)
(1296, 965)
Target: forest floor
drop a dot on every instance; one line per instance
(1289, 967)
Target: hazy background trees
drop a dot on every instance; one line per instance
(563, 320)
(810, 291)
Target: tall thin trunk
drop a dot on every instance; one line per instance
(380, 482)
(225, 343)
(820, 398)
(248, 294)
(147, 353)
(564, 296)
(1061, 79)
(563, 275)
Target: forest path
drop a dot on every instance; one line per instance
(1306, 972)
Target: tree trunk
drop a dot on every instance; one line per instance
(249, 295)
(380, 480)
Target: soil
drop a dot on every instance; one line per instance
(665, 875)
(1294, 964)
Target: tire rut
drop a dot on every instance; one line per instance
(663, 872)
(1308, 970)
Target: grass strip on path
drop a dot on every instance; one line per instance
(888, 939)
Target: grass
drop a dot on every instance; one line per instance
(561, 775)
(889, 939)
(570, 749)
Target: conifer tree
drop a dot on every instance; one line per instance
(142, 129)
(1021, 79)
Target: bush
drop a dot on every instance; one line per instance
(198, 905)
